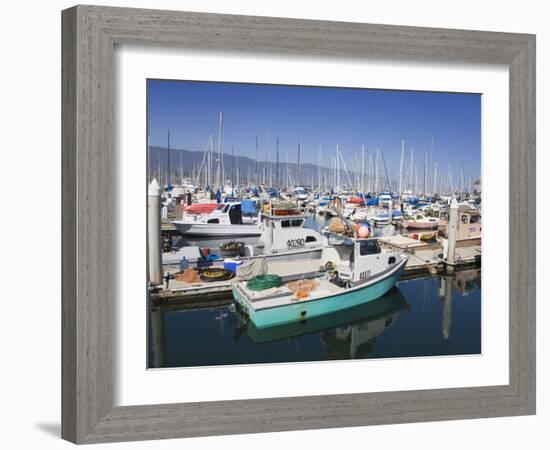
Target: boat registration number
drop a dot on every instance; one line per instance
(293, 243)
(364, 275)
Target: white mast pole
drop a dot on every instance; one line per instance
(219, 180)
(363, 169)
(337, 169)
(320, 165)
(435, 177)
(425, 173)
(376, 181)
(401, 168)
(411, 171)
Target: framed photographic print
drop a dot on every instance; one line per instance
(278, 224)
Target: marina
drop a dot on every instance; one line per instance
(256, 259)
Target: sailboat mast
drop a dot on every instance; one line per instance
(298, 167)
(219, 180)
(376, 171)
(411, 171)
(401, 168)
(277, 168)
(232, 171)
(181, 170)
(256, 175)
(435, 178)
(363, 169)
(319, 168)
(337, 169)
(169, 171)
(425, 173)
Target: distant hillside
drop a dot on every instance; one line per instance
(191, 162)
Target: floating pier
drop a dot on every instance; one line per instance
(191, 294)
(431, 257)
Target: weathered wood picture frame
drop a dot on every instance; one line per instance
(90, 34)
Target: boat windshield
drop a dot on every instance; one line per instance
(370, 247)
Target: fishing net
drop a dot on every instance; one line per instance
(337, 225)
(188, 276)
(262, 282)
(302, 288)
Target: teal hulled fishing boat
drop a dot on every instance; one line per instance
(375, 315)
(358, 271)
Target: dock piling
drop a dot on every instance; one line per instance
(154, 233)
(452, 234)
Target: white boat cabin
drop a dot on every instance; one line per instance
(356, 260)
(469, 226)
(283, 233)
(226, 213)
(300, 193)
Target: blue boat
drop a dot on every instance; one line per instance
(357, 271)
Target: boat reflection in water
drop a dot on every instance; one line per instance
(365, 321)
(426, 316)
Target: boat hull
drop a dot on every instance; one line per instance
(390, 303)
(221, 230)
(421, 225)
(304, 310)
(199, 263)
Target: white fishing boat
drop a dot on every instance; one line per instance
(384, 200)
(358, 271)
(360, 215)
(420, 222)
(283, 237)
(381, 218)
(300, 193)
(225, 221)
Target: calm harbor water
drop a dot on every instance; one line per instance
(430, 316)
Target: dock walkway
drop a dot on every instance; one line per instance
(184, 292)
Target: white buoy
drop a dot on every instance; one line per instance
(452, 234)
(154, 233)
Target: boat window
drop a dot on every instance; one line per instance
(285, 223)
(311, 239)
(464, 219)
(369, 247)
(297, 222)
(214, 221)
(474, 219)
(391, 260)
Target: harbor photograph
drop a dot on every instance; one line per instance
(290, 224)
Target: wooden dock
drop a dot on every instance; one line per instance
(429, 257)
(184, 293)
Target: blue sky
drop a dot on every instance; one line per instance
(319, 116)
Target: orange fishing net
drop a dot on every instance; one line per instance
(188, 276)
(302, 288)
